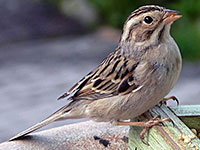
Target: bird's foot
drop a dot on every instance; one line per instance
(155, 121)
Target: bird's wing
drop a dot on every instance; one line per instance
(114, 76)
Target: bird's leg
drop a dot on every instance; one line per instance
(146, 125)
(164, 101)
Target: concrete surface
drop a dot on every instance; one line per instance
(33, 74)
(79, 136)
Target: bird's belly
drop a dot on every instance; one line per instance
(155, 91)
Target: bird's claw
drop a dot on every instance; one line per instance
(164, 101)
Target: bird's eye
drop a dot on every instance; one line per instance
(148, 19)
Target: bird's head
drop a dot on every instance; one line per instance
(148, 24)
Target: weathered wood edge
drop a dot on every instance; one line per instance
(164, 137)
(189, 114)
(186, 110)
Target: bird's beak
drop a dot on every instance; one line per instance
(170, 16)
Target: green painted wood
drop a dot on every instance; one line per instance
(164, 137)
(189, 114)
(154, 139)
(186, 110)
(192, 122)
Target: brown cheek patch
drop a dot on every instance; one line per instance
(131, 30)
(142, 36)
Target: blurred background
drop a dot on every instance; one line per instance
(48, 45)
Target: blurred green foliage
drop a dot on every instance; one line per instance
(185, 31)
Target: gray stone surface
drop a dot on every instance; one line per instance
(78, 136)
(33, 74)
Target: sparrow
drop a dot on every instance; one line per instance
(136, 76)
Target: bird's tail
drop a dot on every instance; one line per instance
(55, 116)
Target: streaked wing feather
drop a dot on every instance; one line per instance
(115, 75)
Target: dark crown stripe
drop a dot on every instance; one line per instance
(145, 9)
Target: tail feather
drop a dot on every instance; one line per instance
(55, 116)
